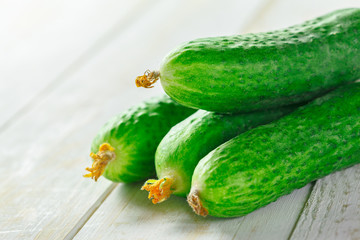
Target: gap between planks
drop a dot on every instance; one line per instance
(84, 58)
(302, 209)
(83, 220)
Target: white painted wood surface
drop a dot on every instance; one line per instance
(68, 66)
(333, 209)
(137, 218)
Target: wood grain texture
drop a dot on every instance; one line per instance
(333, 209)
(276, 220)
(138, 218)
(91, 71)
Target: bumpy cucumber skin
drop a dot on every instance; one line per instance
(190, 140)
(257, 71)
(135, 135)
(258, 166)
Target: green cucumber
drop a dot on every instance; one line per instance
(126, 144)
(190, 140)
(250, 72)
(264, 163)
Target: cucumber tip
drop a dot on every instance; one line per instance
(147, 79)
(194, 201)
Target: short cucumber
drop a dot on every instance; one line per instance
(190, 140)
(249, 72)
(126, 144)
(260, 165)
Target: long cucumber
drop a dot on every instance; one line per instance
(262, 164)
(248, 72)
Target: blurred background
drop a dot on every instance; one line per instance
(66, 67)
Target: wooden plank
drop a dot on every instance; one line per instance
(275, 221)
(137, 218)
(44, 41)
(333, 209)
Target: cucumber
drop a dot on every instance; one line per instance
(260, 165)
(126, 144)
(190, 140)
(250, 72)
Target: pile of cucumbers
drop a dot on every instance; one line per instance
(247, 119)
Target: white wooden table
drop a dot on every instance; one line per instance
(67, 66)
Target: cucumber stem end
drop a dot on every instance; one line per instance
(159, 190)
(101, 159)
(195, 203)
(148, 79)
